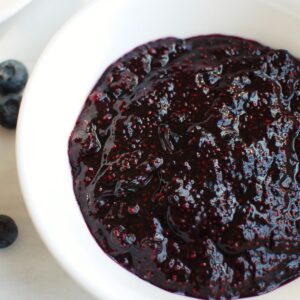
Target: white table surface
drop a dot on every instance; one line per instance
(27, 269)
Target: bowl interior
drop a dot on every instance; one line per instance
(62, 79)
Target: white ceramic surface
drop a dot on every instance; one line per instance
(62, 79)
(10, 7)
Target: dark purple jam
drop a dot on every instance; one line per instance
(185, 161)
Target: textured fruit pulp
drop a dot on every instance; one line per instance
(185, 160)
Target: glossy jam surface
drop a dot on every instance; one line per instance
(185, 161)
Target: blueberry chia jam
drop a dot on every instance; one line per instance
(185, 163)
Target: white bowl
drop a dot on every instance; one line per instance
(62, 79)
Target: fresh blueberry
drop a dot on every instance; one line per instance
(8, 231)
(9, 110)
(13, 76)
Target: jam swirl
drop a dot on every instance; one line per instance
(185, 163)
